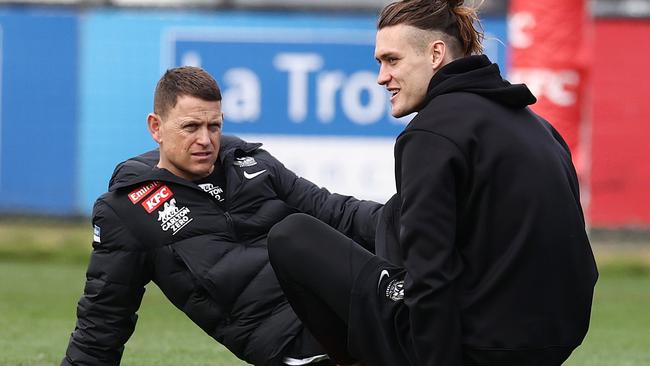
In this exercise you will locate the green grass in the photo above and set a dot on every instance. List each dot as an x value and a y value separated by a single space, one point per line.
37 307
42 268
619 334
45 240
37 303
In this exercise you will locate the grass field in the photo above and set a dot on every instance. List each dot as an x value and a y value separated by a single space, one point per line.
42 269
38 301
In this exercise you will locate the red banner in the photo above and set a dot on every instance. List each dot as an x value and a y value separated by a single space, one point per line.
620 172
548 53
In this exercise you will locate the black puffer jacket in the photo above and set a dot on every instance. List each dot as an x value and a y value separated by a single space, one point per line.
211 263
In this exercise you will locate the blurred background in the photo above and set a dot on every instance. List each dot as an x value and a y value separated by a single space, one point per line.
77 80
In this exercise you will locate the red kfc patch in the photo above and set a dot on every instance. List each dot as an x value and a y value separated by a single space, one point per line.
157 198
141 192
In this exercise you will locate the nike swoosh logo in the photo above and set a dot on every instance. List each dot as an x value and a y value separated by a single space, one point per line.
384 273
248 175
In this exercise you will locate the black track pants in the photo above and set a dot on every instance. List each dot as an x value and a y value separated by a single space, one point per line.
316 266
335 287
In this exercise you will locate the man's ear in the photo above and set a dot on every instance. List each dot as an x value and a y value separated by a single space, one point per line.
438 51
154 123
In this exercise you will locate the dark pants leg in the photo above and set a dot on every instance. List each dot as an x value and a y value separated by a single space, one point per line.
316 266
551 356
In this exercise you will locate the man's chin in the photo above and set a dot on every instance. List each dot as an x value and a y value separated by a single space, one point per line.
204 173
398 114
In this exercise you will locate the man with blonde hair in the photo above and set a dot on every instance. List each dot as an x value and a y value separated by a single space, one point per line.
482 255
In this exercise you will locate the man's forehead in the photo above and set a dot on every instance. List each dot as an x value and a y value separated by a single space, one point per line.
203 113
401 38
395 35
385 43
196 113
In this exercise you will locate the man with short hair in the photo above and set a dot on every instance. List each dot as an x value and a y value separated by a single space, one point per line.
193 218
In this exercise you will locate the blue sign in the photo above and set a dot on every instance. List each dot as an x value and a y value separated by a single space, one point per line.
292 81
38 111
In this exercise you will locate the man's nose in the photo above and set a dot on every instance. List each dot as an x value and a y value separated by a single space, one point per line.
203 137
383 77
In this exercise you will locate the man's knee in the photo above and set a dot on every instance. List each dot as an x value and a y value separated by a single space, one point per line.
289 235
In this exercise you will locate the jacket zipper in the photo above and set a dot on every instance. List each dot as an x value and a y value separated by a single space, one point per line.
231 224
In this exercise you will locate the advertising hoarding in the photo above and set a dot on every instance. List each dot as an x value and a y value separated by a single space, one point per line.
38 111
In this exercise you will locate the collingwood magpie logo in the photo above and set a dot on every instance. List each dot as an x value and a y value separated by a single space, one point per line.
245 161
172 217
212 190
395 290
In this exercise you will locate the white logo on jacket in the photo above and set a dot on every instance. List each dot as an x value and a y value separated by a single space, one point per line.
250 176
214 191
97 234
245 161
395 290
172 217
156 199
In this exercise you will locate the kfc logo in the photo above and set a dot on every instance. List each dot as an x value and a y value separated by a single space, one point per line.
141 192
157 198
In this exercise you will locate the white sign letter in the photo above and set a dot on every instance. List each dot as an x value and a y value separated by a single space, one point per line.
351 98
327 85
519 26
242 96
298 66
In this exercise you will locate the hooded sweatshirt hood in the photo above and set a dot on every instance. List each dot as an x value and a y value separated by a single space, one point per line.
477 75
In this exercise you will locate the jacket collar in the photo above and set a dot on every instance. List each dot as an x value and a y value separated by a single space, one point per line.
142 168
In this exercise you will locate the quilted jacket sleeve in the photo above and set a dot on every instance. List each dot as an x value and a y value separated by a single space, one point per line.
115 279
353 217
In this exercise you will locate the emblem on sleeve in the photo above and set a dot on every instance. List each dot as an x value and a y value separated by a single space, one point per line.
173 218
97 234
395 290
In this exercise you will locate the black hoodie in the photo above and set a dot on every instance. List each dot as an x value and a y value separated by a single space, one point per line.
488 224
